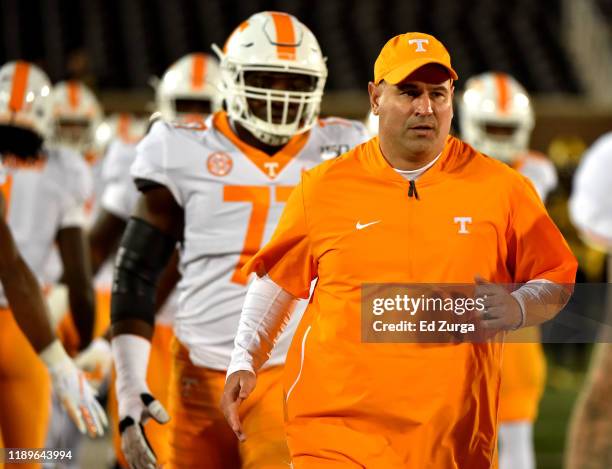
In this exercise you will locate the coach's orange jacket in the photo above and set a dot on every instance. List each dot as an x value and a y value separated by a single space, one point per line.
401 405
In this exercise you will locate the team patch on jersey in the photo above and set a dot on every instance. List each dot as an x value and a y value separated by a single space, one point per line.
219 163
332 151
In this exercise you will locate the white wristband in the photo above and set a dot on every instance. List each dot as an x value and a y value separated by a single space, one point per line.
539 299
521 301
131 358
54 354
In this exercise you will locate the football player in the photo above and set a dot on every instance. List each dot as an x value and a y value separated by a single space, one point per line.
30 315
44 192
218 190
188 92
590 208
496 118
77 115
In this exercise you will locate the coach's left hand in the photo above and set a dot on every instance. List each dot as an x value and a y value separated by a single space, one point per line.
238 387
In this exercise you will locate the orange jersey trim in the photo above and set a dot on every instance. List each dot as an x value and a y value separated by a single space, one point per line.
198 71
33 164
270 165
6 189
285 36
19 85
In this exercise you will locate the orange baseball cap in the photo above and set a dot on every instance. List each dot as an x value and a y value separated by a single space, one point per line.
407 52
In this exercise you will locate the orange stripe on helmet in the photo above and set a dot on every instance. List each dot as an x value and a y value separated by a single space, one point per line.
285 36
198 71
74 94
503 92
241 27
19 85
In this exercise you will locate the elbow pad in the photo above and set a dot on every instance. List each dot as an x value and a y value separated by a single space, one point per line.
143 254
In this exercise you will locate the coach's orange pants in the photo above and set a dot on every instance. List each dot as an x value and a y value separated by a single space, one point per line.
25 391
199 435
523 376
158 379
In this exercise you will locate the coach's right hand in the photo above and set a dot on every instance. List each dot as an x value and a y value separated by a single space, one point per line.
238 387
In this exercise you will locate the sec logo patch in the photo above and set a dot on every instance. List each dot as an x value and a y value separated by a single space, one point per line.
219 163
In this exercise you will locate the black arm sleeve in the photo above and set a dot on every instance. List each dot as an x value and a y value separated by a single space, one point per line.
143 253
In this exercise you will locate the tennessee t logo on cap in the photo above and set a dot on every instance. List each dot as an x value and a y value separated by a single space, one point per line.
419 43
407 52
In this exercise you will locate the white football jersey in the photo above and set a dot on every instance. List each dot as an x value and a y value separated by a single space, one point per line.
233 196
540 171
120 194
104 278
53 269
42 198
590 204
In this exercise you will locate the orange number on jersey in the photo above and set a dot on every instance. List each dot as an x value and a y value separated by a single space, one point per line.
259 197
6 192
283 193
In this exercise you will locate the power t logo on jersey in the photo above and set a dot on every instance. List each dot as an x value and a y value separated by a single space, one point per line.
219 164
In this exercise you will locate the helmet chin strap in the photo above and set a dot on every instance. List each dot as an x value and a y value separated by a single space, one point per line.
264 137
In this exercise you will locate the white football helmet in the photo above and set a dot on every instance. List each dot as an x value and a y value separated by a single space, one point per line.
496 116
25 98
194 77
126 127
272 42
76 114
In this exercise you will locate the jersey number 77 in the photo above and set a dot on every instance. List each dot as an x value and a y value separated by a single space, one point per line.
259 197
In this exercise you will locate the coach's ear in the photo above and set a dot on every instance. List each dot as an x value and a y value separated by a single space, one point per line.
375 91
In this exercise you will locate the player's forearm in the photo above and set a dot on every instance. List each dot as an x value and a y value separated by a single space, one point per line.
74 251
104 238
266 311
23 293
142 256
540 301
83 309
28 305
